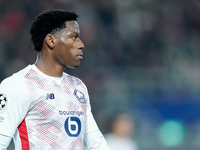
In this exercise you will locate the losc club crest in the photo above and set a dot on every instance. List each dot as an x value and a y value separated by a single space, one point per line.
3 101
80 96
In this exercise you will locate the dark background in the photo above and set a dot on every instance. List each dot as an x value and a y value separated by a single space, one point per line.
141 57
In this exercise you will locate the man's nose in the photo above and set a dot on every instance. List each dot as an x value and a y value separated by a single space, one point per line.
81 45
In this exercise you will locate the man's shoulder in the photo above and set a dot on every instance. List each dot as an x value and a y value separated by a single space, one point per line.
73 80
17 77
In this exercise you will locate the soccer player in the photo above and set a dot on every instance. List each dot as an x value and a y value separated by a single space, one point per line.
41 106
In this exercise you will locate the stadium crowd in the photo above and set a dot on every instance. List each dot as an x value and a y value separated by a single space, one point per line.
140 57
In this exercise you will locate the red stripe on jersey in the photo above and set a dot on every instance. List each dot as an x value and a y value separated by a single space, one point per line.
23 135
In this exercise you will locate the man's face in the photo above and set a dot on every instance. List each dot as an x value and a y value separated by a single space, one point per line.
68 50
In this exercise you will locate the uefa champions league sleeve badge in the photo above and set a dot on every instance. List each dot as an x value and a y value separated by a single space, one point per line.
3 101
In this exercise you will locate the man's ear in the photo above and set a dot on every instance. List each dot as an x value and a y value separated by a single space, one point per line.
50 40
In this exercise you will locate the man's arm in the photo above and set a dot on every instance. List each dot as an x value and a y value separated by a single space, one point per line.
95 141
93 138
4 142
13 111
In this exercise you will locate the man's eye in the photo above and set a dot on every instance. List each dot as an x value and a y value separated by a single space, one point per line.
74 37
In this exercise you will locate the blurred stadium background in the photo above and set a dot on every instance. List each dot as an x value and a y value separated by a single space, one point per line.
141 57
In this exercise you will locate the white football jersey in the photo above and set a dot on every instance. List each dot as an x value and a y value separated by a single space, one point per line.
44 112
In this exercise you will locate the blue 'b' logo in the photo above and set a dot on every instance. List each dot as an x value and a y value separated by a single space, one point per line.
73 126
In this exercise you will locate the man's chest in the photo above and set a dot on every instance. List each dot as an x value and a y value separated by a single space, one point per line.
58 110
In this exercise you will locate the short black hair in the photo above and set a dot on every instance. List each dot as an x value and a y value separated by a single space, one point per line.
48 22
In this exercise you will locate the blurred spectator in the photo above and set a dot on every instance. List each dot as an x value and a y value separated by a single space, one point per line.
120 136
136 50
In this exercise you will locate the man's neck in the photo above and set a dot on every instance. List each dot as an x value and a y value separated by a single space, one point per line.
48 67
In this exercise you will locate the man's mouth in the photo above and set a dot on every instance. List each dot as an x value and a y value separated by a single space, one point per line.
80 56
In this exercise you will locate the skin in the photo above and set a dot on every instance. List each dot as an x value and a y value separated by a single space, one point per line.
123 126
60 50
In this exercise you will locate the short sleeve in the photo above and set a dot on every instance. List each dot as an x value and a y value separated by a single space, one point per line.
90 125
14 105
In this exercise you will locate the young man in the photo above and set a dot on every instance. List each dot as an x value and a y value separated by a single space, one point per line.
42 107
